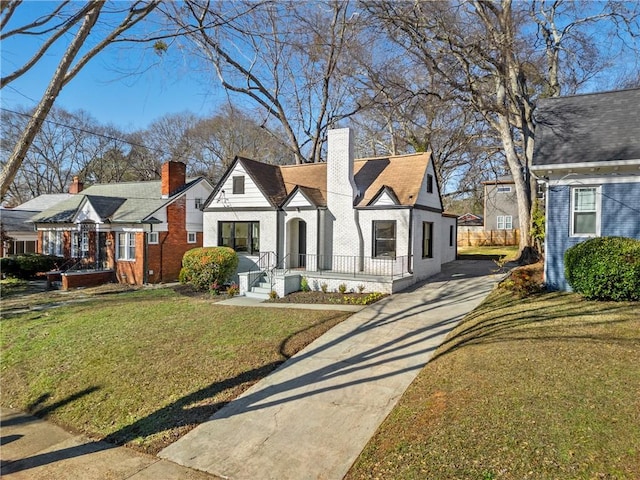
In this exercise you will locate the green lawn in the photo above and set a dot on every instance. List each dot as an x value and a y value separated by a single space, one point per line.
510 252
142 368
546 387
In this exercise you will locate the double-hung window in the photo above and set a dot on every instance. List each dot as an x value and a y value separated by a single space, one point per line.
53 243
505 222
584 211
384 238
427 240
126 246
241 236
80 244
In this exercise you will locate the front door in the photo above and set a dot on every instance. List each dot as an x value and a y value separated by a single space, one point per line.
302 243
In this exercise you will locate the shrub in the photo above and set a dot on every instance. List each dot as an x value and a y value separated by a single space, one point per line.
342 288
29 265
273 295
304 284
605 268
324 287
207 266
233 290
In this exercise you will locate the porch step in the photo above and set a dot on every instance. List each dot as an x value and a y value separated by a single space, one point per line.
261 296
261 289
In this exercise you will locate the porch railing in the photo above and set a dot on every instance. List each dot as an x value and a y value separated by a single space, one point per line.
352 265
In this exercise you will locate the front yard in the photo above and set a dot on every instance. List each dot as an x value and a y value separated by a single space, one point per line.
544 387
142 368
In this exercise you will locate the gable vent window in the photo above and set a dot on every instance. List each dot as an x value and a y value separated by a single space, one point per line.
238 185
198 203
504 189
429 183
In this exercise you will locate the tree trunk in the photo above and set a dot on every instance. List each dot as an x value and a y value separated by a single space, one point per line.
53 90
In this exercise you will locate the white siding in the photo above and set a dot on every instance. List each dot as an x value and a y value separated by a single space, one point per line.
298 200
252 196
429 199
194 216
384 200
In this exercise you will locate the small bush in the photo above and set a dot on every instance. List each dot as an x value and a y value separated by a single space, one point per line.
342 288
304 285
29 265
324 287
233 290
605 268
207 266
273 295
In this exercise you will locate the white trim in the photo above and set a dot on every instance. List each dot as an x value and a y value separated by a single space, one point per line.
598 212
195 237
590 180
569 166
157 238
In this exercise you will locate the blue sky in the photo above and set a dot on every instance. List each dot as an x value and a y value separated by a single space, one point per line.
106 87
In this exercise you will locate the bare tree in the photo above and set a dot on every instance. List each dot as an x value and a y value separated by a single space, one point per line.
499 57
78 20
287 58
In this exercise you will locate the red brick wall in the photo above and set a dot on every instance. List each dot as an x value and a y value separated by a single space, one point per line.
85 279
132 271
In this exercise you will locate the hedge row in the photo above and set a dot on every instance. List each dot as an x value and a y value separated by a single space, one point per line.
29 265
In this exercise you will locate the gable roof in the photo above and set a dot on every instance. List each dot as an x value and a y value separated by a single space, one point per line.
42 202
596 127
16 220
129 202
403 174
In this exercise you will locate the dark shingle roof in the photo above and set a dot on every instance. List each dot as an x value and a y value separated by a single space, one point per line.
16 220
597 127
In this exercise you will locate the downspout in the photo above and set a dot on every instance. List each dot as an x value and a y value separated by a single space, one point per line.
145 260
356 219
410 246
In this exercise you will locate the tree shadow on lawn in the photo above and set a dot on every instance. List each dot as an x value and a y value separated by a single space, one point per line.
536 323
175 419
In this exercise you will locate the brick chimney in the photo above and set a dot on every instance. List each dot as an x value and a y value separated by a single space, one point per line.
174 176
76 186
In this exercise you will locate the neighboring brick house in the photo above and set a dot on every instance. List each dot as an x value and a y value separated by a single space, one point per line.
18 233
372 222
587 153
135 232
500 204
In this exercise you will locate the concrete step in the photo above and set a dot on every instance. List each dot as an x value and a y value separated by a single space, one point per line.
265 290
261 296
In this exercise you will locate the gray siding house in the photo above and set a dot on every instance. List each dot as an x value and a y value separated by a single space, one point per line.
587 152
500 204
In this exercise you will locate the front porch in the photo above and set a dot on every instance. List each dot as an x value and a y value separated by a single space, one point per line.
323 272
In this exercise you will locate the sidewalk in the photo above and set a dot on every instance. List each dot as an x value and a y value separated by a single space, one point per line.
34 449
312 417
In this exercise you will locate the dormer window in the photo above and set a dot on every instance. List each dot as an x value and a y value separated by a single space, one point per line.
238 185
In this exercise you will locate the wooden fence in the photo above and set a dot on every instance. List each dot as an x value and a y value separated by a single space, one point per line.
488 238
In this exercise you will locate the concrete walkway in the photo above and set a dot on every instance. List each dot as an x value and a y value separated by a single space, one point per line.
312 417
33 449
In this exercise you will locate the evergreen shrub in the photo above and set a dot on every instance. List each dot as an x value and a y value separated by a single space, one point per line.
605 268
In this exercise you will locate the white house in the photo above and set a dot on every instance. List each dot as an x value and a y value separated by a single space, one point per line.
376 222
